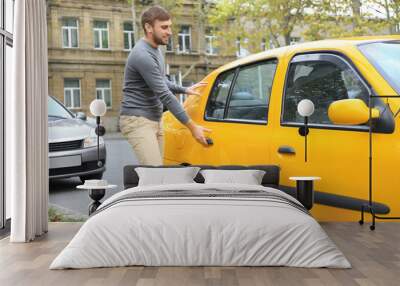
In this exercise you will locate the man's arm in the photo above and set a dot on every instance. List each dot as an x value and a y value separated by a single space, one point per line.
174 87
149 70
151 73
198 132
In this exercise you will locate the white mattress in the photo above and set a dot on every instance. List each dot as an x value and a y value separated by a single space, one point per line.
200 231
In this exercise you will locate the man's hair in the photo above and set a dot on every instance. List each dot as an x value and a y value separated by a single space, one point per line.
150 15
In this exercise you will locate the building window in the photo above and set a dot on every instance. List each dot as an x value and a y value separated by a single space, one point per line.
72 93
238 46
184 39
263 44
294 40
103 91
210 45
70 33
100 29
129 36
240 50
210 41
172 78
170 46
271 44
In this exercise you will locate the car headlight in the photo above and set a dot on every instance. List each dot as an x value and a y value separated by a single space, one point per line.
92 142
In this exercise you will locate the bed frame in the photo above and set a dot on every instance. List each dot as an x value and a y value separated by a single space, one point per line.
270 179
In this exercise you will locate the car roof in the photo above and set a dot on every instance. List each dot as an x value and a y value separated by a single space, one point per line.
342 44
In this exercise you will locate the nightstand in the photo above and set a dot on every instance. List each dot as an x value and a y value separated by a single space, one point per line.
305 190
96 194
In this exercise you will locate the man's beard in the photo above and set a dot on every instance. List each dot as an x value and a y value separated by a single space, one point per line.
158 40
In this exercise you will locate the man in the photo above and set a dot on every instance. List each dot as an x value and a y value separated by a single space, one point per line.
146 90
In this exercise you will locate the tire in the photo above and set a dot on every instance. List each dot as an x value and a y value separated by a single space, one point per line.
97 176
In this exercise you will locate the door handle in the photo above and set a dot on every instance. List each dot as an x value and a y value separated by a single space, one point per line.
209 141
286 150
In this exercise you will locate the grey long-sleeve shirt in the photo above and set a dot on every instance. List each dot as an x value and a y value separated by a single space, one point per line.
146 88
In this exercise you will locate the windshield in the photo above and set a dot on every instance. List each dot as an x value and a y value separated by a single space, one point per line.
55 109
385 57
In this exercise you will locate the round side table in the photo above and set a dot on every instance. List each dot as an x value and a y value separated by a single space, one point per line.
305 190
96 194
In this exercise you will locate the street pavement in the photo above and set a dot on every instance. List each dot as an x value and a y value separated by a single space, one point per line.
74 202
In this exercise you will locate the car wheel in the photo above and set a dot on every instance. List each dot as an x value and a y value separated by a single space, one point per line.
97 176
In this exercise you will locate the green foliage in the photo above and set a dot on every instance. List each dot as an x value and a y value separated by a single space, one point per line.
340 18
257 20
390 11
277 20
56 215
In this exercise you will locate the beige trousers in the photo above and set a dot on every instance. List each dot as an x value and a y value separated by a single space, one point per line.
146 138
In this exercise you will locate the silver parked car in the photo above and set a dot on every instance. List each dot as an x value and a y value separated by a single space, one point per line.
72 144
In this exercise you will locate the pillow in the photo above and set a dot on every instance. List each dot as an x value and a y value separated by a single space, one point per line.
249 177
165 176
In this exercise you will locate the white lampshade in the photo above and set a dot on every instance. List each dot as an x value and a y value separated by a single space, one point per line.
98 107
305 107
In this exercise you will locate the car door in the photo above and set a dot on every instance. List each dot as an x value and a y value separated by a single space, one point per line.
336 153
237 112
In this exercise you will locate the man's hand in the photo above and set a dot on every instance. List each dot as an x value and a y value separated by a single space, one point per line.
193 90
198 132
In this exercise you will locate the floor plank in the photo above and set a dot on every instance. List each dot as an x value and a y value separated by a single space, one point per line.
374 255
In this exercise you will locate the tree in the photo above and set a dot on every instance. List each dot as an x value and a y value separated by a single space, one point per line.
390 10
271 20
341 18
276 21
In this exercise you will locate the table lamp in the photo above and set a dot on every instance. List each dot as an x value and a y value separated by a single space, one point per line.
305 108
98 108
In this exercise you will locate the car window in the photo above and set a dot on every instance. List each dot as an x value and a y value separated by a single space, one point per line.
55 109
323 81
251 92
219 95
385 56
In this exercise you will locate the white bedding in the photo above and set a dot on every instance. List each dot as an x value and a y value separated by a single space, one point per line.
192 231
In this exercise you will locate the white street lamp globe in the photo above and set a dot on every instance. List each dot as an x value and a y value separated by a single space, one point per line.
305 108
98 107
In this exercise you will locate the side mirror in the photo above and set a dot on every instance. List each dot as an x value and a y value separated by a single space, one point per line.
350 112
81 115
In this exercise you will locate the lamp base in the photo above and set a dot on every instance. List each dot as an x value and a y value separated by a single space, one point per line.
100 130
370 208
303 131
96 195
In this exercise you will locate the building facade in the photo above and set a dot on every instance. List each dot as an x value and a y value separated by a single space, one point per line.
89 42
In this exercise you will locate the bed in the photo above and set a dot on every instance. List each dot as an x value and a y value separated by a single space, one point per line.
201 224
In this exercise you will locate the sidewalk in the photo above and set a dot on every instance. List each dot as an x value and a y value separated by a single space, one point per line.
113 136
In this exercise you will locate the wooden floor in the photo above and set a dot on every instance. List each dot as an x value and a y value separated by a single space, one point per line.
375 257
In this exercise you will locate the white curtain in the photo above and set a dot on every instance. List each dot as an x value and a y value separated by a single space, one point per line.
26 124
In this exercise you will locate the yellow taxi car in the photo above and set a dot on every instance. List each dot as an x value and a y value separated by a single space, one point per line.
251 107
